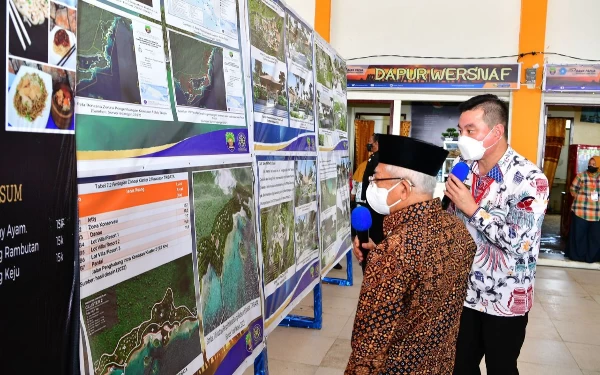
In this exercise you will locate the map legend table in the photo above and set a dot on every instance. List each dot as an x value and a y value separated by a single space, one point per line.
125 223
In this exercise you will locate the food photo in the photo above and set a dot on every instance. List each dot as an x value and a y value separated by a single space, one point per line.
40 98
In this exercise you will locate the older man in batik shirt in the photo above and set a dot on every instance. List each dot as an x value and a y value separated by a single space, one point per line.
411 298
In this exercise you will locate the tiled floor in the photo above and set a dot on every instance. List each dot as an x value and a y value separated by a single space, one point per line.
563 335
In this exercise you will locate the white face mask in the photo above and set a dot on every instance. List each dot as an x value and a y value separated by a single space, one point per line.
472 149
377 198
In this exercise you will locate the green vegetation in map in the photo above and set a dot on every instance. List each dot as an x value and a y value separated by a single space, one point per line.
340 115
197 73
328 233
106 69
306 182
225 242
266 29
343 195
307 237
325 72
155 328
328 193
277 239
340 73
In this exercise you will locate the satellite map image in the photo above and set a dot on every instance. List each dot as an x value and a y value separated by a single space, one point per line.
197 73
147 324
277 231
225 242
106 64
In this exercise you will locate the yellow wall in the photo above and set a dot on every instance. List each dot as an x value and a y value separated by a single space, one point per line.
323 18
527 102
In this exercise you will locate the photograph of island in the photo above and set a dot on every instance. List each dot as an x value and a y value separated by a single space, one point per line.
147 324
198 77
106 63
225 243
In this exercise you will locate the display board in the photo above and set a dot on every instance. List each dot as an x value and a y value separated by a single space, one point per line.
154 85
334 161
169 271
38 189
282 78
288 231
572 78
156 234
169 257
436 77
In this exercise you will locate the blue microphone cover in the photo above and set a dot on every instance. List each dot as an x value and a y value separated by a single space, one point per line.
461 171
361 219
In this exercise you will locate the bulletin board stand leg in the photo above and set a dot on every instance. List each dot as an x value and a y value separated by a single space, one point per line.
261 366
349 281
305 321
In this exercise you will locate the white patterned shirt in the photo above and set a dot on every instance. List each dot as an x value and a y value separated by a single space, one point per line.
507 228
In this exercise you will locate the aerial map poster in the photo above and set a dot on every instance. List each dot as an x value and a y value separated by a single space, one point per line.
227 261
287 199
38 190
152 91
150 303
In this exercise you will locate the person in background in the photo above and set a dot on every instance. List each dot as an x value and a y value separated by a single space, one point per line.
376 231
357 179
411 297
502 202
584 235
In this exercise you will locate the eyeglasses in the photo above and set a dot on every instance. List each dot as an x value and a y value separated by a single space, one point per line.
372 179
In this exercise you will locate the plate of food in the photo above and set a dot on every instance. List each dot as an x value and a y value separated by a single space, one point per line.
29 99
62 43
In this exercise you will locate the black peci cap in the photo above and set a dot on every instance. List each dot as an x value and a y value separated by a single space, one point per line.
411 153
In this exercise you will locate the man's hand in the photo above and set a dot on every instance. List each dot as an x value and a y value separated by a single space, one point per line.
460 195
356 248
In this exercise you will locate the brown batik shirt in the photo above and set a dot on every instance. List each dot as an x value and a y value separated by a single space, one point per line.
412 294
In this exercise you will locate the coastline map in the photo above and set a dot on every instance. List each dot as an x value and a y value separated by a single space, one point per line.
198 74
106 63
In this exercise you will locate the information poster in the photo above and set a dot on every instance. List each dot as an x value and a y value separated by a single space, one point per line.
152 89
326 89
334 165
282 78
334 185
149 302
288 214
38 189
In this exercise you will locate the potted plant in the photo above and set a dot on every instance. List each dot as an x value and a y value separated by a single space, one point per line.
450 134
260 95
281 103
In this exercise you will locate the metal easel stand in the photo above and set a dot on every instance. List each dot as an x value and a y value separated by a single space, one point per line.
349 281
261 366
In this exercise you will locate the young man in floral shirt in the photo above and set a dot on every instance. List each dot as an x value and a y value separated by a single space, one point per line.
503 202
